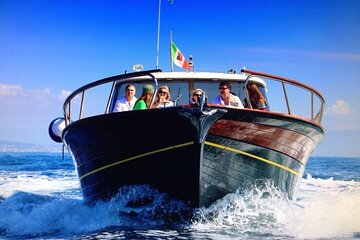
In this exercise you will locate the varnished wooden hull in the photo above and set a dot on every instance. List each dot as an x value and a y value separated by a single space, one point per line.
244 147
191 157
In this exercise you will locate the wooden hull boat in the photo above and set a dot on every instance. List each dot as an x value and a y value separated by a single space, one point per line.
197 153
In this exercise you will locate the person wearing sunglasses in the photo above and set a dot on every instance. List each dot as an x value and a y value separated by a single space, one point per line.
127 102
196 96
226 97
163 98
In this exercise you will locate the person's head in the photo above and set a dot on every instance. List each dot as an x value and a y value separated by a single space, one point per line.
164 92
130 91
148 92
253 90
256 98
224 89
148 88
197 93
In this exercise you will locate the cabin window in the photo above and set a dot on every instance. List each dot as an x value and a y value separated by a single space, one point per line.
212 91
178 91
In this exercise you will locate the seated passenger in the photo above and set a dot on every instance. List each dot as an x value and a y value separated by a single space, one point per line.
197 94
226 98
163 98
127 102
145 99
257 100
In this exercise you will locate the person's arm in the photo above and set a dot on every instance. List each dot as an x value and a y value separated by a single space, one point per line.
117 107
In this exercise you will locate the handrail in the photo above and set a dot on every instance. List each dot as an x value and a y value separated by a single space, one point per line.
114 79
315 115
286 97
283 80
156 89
110 97
246 92
82 104
287 80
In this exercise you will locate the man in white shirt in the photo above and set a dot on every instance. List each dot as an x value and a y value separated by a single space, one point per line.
127 102
226 98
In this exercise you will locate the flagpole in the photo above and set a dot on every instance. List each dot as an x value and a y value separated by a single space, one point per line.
158 35
171 60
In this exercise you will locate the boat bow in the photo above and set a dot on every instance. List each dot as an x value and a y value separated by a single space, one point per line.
201 119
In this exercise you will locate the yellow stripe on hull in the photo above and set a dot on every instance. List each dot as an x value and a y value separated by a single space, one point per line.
252 156
184 145
136 157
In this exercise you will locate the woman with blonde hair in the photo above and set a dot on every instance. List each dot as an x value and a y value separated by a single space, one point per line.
144 101
163 98
257 100
197 94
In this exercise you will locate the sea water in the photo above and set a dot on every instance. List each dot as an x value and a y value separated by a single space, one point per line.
40 198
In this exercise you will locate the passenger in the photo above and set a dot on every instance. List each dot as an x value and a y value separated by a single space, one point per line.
226 98
197 94
127 102
145 99
163 98
257 100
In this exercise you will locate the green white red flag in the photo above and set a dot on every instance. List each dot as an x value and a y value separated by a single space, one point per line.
178 58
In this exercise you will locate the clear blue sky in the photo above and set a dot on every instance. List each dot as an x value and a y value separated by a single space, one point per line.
50 47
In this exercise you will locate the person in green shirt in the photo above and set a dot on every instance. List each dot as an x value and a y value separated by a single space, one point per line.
144 101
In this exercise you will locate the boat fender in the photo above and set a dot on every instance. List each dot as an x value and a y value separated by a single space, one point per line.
55 129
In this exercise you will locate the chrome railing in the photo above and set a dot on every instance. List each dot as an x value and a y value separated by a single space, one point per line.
316 113
315 116
82 90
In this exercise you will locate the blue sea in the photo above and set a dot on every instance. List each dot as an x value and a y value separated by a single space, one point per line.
40 198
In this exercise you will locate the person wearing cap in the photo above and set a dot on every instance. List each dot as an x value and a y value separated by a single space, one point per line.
145 99
226 98
127 102
163 98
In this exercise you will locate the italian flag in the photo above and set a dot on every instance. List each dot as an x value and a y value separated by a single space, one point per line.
178 58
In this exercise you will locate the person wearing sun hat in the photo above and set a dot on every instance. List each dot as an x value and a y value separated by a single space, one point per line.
145 99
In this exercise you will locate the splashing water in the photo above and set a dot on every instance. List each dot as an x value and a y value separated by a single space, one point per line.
30 215
36 202
259 209
264 211
329 209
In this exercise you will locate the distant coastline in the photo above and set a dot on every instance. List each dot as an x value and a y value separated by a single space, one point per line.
7 146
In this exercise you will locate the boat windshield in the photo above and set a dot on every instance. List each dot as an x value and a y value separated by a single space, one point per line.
181 90
280 93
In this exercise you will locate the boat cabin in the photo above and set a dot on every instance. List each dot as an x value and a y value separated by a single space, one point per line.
283 96
182 85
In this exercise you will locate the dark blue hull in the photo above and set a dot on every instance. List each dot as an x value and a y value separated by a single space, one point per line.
192 156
